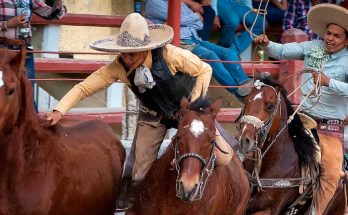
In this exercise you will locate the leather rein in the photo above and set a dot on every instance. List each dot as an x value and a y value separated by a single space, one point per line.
208 164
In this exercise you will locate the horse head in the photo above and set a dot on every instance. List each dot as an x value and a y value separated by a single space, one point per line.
261 117
194 145
11 79
276 145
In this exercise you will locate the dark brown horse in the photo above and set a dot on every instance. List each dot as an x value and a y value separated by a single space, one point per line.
275 149
63 170
179 182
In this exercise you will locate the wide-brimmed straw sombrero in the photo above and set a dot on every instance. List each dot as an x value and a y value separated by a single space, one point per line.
135 35
321 15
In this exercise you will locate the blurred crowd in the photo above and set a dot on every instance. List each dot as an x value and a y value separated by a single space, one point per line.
238 22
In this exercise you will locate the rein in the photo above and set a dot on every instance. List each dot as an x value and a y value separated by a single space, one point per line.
263 127
207 170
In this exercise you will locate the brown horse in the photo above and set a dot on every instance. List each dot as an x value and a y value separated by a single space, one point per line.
62 170
275 149
184 181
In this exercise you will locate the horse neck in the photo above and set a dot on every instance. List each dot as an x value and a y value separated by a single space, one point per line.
24 133
17 153
164 166
281 154
284 145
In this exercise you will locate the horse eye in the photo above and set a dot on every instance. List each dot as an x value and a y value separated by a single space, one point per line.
269 107
10 91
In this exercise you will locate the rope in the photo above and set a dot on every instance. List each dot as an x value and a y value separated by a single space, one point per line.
258 12
315 92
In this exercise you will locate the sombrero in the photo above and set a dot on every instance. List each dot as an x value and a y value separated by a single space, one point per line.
135 35
321 15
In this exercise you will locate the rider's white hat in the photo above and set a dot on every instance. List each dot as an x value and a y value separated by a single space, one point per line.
136 35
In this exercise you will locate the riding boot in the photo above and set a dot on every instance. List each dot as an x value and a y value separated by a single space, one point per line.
330 172
223 150
123 197
132 194
122 202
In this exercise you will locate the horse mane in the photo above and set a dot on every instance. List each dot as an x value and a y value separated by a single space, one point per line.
26 110
304 144
200 104
27 98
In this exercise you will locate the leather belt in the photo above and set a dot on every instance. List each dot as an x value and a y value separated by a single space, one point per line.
326 121
147 110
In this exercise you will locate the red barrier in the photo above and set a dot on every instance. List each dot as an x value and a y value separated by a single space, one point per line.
225 115
283 69
81 20
50 65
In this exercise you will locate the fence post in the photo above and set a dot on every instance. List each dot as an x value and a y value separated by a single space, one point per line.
174 11
288 69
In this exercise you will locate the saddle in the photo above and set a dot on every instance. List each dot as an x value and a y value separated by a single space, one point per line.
307 121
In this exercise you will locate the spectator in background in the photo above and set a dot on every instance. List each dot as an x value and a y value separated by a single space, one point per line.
225 74
207 13
15 18
231 14
275 10
296 15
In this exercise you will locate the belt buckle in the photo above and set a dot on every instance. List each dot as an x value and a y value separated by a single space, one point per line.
147 110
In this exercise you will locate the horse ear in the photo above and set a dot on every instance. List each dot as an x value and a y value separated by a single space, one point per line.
215 106
184 104
18 61
277 88
257 74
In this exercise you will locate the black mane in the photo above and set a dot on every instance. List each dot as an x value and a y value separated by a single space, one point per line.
200 104
304 144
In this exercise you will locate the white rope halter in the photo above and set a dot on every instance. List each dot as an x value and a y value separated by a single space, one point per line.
256 122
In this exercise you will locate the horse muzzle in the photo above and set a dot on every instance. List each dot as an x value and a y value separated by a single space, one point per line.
246 145
186 192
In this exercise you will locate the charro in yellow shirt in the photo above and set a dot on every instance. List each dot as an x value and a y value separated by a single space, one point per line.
177 59
176 73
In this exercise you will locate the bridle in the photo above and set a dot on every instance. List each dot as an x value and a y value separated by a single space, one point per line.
207 170
263 129
208 164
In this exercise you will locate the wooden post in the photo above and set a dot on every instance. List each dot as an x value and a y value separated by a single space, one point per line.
174 11
288 69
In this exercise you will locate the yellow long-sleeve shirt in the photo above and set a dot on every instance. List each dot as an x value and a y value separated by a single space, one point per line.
176 58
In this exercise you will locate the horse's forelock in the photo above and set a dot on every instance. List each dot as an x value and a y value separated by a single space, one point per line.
200 104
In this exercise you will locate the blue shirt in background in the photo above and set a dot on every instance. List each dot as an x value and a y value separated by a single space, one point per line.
157 12
333 101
